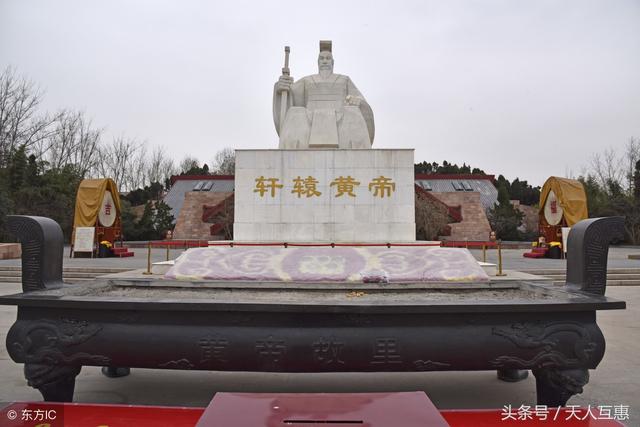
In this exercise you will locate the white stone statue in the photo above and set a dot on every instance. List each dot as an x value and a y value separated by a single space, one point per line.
324 110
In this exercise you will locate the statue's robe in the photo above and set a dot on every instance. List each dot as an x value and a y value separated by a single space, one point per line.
318 115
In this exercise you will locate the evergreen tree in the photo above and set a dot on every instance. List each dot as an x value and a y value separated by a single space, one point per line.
632 209
504 217
596 197
163 220
503 191
128 218
32 172
446 168
145 225
156 219
17 169
6 207
141 195
197 170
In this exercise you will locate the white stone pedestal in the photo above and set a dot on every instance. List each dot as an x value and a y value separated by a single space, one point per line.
331 195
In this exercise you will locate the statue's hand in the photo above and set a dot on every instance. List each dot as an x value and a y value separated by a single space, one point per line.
284 84
353 100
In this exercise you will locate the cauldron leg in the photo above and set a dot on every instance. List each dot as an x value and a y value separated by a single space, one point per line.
555 386
512 375
115 372
55 383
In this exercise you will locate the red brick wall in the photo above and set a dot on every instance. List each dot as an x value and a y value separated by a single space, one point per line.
189 224
474 224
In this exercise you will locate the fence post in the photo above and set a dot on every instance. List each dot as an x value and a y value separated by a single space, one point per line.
500 273
148 259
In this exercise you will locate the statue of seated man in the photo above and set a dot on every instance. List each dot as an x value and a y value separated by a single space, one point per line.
324 110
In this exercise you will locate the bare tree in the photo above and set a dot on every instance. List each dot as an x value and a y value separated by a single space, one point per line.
127 161
20 123
224 162
607 168
119 160
69 138
188 163
631 156
138 166
611 168
160 167
73 142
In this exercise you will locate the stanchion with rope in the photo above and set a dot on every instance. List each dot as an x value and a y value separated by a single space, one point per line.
484 253
500 273
167 251
148 260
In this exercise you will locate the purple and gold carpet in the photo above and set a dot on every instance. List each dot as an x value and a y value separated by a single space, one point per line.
326 264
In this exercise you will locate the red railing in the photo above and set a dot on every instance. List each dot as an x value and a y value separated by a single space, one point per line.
177 244
468 244
186 243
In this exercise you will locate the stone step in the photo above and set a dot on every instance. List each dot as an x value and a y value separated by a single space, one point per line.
95 270
4 279
610 276
73 275
13 274
628 282
552 271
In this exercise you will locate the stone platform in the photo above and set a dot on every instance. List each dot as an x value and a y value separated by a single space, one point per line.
404 264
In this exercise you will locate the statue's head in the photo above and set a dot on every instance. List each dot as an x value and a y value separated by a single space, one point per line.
325 58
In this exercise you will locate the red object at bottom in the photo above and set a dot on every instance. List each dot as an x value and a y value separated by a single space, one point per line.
409 409
297 407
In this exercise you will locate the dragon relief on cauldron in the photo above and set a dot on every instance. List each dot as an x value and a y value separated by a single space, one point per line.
544 338
44 342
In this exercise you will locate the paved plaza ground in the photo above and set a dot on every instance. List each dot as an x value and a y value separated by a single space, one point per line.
615 382
513 259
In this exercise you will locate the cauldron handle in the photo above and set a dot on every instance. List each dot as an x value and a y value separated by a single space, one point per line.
587 251
42 246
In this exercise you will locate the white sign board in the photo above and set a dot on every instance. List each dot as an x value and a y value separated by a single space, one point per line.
83 241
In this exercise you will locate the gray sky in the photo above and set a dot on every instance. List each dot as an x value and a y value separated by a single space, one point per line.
523 88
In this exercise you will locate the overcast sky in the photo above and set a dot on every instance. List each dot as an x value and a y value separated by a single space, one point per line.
528 89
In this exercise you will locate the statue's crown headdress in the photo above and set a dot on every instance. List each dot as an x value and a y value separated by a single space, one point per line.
325 45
